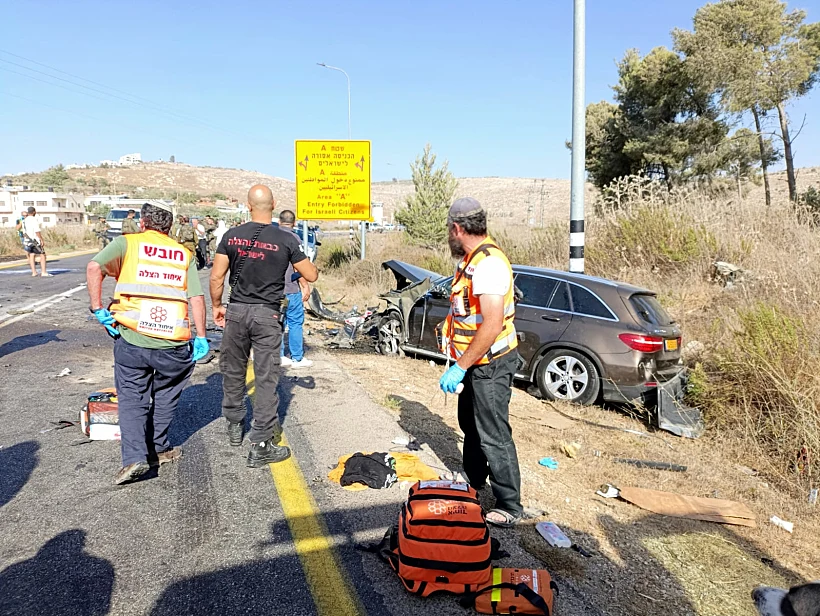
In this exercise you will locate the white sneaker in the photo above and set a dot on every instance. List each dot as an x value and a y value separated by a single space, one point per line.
286 361
302 363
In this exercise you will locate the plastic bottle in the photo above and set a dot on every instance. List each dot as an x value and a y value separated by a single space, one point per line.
553 535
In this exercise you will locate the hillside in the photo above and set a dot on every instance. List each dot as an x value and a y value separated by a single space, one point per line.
513 200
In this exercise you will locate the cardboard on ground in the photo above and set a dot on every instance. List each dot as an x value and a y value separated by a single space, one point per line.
333 180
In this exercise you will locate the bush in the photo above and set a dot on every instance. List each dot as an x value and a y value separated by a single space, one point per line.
547 247
334 254
438 262
765 380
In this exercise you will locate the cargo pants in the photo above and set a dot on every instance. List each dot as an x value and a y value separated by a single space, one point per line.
484 417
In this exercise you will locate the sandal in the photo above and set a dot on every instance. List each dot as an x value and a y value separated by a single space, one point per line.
509 519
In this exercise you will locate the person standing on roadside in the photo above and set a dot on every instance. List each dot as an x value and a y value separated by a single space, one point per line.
149 317
220 230
18 226
33 242
129 225
210 227
257 254
101 230
480 336
201 243
187 235
297 292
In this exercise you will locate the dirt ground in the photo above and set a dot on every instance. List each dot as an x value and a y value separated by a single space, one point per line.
642 563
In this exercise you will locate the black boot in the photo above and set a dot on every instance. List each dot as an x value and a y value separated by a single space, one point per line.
235 432
264 453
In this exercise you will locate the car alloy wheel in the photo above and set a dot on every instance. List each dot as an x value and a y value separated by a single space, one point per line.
568 375
390 335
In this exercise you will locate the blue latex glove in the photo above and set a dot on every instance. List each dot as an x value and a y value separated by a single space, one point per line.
107 319
201 348
450 379
550 463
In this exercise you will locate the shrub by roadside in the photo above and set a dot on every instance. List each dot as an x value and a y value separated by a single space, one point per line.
63 238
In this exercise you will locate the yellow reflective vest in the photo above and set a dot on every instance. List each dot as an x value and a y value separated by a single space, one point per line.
151 296
465 317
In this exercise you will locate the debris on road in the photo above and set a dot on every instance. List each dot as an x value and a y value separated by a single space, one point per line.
19 312
550 463
608 491
658 466
553 535
787 526
691 507
727 274
59 425
63 372
570 449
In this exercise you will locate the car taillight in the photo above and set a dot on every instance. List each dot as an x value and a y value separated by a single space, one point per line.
644 344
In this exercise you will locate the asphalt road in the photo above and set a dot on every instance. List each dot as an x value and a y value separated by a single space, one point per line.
205 535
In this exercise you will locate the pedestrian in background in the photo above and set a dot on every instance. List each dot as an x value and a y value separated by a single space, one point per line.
220 230
33 242
479 335
129 225
18 226
101 229
149 317
201 243
257 254
187 235
210 227
297 291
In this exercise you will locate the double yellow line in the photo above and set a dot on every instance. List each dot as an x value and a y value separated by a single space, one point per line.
332 592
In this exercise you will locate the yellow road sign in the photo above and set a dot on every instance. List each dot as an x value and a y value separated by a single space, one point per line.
333 180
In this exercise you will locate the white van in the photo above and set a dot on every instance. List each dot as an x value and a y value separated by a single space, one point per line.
115 218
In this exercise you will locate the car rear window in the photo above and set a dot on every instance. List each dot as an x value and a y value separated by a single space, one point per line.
536 290
649 309
584 302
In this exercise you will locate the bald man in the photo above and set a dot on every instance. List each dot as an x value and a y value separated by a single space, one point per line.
255 257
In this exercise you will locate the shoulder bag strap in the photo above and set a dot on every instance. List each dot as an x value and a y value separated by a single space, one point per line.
242 259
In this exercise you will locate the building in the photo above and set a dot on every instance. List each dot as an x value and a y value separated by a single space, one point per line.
130 159
119 201
53 208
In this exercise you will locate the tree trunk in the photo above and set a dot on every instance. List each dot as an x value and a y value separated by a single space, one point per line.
787 152
763 162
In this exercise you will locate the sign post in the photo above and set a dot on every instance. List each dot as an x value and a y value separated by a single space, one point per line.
333 181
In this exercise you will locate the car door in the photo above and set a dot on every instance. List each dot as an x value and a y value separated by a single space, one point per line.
436 309
542 315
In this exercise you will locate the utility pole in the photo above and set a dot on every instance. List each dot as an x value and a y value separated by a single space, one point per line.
576 213
363 224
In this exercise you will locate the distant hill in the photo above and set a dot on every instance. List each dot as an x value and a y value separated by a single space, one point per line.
514 200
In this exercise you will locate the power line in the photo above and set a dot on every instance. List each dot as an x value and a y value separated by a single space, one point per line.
191 120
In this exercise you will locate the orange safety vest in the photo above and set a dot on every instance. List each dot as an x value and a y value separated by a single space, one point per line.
151 296
465 317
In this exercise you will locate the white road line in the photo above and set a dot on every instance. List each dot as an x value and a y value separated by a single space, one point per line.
8 319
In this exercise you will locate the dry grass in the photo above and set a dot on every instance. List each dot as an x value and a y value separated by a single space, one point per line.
63 238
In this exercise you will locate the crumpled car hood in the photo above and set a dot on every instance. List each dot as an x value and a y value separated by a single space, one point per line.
407 274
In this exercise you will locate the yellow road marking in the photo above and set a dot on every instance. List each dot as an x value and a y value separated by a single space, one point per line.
332 592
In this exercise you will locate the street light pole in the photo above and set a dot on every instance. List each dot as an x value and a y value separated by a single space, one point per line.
336 68
576 215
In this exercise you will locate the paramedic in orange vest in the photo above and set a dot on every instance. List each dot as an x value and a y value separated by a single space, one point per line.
150 320
480 336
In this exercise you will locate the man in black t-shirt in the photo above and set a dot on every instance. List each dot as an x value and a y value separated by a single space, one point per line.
259 253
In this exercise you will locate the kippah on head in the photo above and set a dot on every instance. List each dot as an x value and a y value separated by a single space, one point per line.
462 208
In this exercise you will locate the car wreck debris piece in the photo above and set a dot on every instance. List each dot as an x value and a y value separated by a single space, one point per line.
570 449
691 507
658 466
787 526
675 417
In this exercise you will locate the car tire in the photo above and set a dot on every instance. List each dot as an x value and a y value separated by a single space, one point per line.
563 374
390 335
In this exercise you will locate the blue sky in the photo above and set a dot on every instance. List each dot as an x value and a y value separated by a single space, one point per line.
487 83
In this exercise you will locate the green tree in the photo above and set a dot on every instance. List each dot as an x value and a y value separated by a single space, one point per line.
173 159
665 125
54 177
760 56
424 214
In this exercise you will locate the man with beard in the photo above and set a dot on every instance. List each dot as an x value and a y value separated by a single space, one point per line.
479 335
